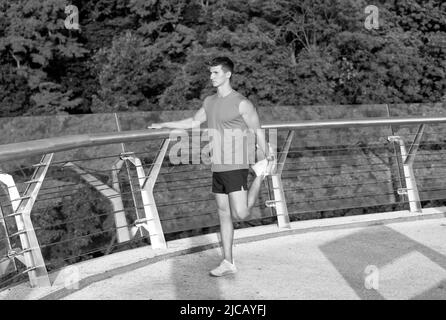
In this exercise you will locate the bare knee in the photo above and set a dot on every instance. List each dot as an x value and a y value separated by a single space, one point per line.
240 213
223 208
224 212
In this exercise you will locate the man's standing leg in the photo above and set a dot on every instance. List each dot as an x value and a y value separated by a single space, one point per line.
227 266
226 226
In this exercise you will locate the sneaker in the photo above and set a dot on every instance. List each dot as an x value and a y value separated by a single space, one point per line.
265 167
223 269
260 167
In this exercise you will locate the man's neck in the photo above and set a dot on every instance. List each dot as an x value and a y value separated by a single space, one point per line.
224 90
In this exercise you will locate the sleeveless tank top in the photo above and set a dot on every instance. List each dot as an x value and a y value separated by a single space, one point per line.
232 143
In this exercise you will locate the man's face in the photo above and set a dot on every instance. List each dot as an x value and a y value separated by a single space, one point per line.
219 76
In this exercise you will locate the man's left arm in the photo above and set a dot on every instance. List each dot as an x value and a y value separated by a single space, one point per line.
251 118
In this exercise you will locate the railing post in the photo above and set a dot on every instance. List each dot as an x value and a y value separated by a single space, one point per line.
30 255
151 222
122 231
411 185
5 261
279 201
120 217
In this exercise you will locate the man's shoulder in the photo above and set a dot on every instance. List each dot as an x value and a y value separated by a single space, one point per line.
242 100
245 106
239 95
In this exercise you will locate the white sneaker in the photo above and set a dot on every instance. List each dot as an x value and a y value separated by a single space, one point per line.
260 167
265 167
223 269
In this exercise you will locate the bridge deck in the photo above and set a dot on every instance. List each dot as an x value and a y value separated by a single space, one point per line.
405 255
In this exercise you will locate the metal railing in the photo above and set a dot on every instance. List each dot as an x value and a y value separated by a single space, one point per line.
63 210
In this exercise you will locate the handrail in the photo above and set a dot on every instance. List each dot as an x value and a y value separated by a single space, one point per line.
18 150
364 122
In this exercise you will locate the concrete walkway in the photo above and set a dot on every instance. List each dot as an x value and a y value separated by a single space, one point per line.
397 259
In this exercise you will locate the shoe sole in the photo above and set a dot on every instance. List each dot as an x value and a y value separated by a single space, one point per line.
223 274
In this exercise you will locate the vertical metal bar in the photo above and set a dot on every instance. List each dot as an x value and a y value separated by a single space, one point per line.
4 264
415 145
115 174
132 191
279 202
116 168
411 185
22 206
269 187
156 167
395 151
152 221
270 196
283 219
284 153
39 275
408 159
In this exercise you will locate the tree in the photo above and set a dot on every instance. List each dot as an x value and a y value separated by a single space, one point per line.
286 52
14 92
50 99
33 38
73 228
131 75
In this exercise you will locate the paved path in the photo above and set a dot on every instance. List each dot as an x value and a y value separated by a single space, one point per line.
404 260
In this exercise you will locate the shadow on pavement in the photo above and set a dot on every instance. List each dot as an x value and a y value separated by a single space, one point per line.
378 247
190 274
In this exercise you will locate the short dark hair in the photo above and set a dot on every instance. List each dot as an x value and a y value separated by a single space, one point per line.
225 62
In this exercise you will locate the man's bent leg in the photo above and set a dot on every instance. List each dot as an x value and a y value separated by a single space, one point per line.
241 202
253 192
238 204
226 226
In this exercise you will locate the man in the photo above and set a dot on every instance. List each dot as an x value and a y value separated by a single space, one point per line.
226 111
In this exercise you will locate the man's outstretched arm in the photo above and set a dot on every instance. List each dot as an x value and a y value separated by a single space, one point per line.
188 123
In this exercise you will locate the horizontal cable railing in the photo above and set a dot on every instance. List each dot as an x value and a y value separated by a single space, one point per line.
66 209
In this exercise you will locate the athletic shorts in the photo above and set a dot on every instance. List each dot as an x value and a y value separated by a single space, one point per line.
230 181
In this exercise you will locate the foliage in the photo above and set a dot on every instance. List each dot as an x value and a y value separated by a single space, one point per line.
14 92
150 55
33 38
74 225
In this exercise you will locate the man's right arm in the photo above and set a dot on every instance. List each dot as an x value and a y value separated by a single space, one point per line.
192 122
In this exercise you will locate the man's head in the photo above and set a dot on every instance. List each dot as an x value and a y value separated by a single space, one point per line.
221 69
